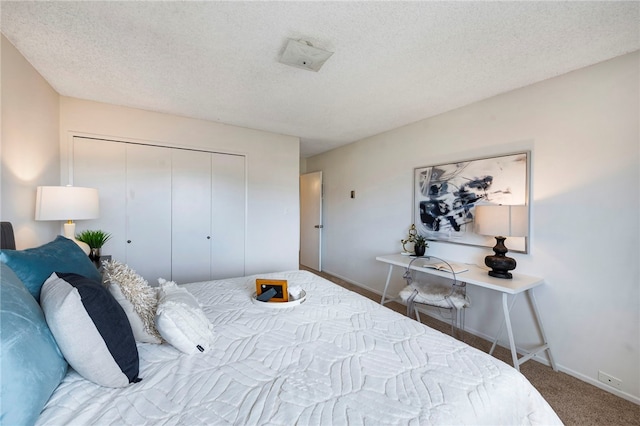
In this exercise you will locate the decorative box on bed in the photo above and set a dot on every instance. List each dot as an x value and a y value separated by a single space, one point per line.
337 359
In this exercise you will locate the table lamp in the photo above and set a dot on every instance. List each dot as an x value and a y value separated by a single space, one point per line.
67 203
501 222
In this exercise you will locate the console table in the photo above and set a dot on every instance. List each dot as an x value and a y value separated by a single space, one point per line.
479 277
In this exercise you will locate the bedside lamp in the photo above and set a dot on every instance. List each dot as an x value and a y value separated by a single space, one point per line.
501 222
67 203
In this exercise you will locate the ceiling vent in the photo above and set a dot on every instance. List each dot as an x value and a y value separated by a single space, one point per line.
301 54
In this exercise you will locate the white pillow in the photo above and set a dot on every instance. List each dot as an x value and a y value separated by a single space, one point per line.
180 319
91 329
137 298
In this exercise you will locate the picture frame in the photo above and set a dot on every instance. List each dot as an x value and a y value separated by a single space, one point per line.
445 195
280 286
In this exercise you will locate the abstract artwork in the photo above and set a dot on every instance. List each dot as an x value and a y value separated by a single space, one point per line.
445 196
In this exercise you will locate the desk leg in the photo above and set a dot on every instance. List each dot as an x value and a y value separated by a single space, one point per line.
545 342
507 321
386 286
495 342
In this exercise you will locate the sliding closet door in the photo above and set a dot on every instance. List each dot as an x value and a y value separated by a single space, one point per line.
228 215
148 212
191 216
208 216
102 165
173 213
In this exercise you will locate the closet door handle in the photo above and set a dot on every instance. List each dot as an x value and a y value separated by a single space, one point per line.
128 241
208 237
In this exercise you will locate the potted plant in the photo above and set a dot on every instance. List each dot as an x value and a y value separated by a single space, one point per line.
420 245
95 239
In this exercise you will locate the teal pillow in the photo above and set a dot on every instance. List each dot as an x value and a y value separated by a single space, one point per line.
31 364
33 266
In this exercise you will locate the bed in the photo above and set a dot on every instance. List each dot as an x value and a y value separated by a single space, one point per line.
337 358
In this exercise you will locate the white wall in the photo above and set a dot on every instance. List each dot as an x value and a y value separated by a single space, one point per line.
583 133
29 146
37 125
272 232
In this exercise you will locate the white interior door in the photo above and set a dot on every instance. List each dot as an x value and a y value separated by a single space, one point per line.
149 211
101 165
191 216
228 215
311 220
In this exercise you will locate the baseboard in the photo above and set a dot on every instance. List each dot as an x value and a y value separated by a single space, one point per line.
599 384
350 281
543 360
538 358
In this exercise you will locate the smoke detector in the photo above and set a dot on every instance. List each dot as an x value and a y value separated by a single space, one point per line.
301 54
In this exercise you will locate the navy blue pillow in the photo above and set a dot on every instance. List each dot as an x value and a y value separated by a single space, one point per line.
33 266
91 328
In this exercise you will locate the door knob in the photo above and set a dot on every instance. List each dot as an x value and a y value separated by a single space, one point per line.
128 241
318 226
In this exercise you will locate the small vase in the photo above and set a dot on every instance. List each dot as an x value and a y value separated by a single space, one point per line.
419 250
94 254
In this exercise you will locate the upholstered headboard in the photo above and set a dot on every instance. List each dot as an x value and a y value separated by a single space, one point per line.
7 241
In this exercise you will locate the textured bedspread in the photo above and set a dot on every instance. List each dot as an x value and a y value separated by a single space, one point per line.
336 359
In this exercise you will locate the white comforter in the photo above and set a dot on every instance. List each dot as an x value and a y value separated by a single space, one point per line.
336 359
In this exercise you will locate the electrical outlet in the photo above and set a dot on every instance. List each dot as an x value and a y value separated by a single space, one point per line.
609 380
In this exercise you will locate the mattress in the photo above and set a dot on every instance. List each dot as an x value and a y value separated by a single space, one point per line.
337 358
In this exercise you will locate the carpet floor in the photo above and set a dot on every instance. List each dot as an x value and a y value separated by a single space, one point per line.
576 402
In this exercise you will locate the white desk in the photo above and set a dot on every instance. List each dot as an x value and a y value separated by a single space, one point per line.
479 277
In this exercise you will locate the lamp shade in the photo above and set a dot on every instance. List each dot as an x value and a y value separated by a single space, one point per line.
505 221
66 203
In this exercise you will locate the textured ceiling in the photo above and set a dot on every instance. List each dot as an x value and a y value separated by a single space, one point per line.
394 63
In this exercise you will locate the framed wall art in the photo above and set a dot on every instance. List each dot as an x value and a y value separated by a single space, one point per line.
445 195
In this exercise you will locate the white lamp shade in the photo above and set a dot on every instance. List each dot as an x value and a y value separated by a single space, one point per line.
66 203
504 221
